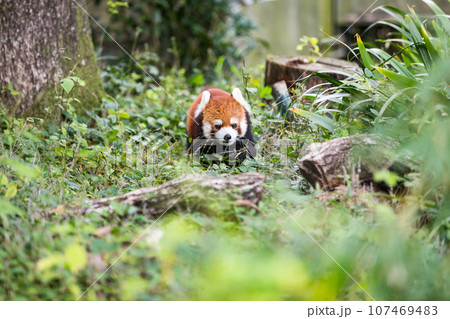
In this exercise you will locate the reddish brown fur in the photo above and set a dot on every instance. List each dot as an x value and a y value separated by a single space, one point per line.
220 106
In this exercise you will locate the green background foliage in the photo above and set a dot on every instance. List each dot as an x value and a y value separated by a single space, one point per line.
395 245
186 34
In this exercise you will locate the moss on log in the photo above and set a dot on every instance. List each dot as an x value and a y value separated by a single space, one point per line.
207 194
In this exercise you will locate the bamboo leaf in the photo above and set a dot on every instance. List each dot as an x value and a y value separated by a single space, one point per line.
367 60
397 14
399 79
389 102
443 39
418 41
341 85
406 59
428 44
443 18
393 26
320 120
398 66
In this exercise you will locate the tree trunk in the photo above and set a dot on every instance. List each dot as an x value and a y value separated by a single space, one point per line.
41 42
215 195
350 159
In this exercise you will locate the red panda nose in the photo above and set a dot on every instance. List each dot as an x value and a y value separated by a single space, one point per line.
227 137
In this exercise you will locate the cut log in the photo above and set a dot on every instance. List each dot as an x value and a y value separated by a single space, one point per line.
354 158
196 192
293 70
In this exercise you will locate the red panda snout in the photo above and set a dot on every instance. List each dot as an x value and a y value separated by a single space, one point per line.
218 131
227 134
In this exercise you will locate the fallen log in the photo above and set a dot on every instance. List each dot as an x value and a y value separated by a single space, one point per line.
355 159
194 192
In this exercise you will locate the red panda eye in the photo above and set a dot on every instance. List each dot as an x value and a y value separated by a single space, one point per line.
234 125
217 126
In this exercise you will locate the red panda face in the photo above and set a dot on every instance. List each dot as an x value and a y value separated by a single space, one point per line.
224 119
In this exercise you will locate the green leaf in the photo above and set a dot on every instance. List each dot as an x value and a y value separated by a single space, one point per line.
131 287
4 180
219 66
398 66
341 85
367 60
443 18
11 191
21 169
75 258
394 12
320 120
48 262
197 79
419 43
389 178
399 79
67 85
86 154
390 101
428 44
265 92
77 80
163 121
8 209
123 115
406 59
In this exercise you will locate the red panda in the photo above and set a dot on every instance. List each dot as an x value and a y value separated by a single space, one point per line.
221 116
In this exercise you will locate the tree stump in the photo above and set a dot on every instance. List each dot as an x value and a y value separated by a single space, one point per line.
328 164
196 192
292 70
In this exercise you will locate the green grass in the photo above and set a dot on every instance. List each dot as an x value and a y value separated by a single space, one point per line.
395 248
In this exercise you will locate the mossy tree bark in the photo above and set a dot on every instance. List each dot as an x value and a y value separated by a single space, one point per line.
41 42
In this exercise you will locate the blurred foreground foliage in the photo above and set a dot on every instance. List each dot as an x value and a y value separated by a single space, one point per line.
395 247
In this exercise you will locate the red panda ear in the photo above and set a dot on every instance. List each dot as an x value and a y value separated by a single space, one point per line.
238 97
201 106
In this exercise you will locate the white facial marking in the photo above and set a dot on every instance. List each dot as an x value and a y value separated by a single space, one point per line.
238 97
201 106
244 126
217 122
206 130
220 134
234 120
